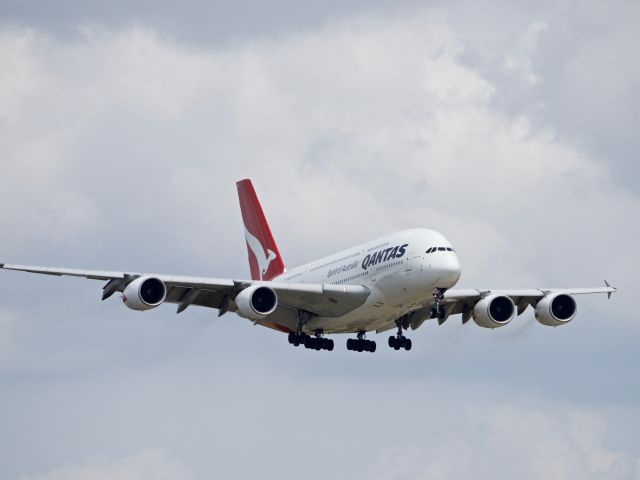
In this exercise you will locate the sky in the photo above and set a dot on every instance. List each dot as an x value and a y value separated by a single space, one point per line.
512 129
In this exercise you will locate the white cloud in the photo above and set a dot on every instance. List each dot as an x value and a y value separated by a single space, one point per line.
143 465
120 150
520 62
506 442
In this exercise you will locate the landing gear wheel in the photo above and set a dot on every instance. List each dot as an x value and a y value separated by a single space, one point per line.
361 344
400 341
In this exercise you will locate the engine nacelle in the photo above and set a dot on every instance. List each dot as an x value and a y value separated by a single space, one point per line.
256 302
556 309
494 311
144 293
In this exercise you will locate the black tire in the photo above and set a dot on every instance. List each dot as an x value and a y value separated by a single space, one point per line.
292 337
408 344
296 342
330 345
372 347
359 346
392 342
350 344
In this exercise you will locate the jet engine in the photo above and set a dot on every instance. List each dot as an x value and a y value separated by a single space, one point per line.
556 309
494 311
144 293
256 302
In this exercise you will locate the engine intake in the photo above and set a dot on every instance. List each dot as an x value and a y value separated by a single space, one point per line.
556 309
256 302
144 293
494 311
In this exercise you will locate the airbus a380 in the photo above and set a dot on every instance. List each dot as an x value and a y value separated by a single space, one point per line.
395 282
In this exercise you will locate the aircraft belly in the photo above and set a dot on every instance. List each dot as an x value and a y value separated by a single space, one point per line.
377 311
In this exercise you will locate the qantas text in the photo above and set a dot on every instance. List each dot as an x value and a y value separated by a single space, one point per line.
384 255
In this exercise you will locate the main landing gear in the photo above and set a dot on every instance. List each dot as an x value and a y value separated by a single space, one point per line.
400 341
361 344
314 343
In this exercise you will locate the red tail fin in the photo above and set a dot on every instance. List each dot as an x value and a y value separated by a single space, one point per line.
265 261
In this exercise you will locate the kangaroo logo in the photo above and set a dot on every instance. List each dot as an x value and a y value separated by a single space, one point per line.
258 250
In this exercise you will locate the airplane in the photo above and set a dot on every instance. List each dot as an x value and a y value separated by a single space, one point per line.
395 282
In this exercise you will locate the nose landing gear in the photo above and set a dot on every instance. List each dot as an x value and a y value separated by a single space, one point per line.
437 311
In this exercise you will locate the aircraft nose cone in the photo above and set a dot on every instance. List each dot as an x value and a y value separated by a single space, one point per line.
448 269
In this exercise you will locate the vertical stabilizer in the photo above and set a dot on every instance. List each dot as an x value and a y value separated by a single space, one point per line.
265 261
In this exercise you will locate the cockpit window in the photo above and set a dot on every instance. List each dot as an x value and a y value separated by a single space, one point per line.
440 249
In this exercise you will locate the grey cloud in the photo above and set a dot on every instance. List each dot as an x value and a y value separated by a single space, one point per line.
120 150
143 465
190 21
584 60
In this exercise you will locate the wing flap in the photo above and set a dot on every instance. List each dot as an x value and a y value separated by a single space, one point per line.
319 299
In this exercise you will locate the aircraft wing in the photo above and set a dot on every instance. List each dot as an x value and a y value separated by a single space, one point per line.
316 299
462 301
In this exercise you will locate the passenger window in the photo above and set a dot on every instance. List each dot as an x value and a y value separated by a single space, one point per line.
449 249
441 249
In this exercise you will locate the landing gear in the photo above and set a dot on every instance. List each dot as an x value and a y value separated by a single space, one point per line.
437 311
313 343
361 344
400 341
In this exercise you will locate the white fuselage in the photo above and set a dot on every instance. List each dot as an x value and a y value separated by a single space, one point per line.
397 269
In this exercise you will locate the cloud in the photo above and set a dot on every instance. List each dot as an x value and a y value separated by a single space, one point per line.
7 320
143 465
505 441
520 62
121 147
